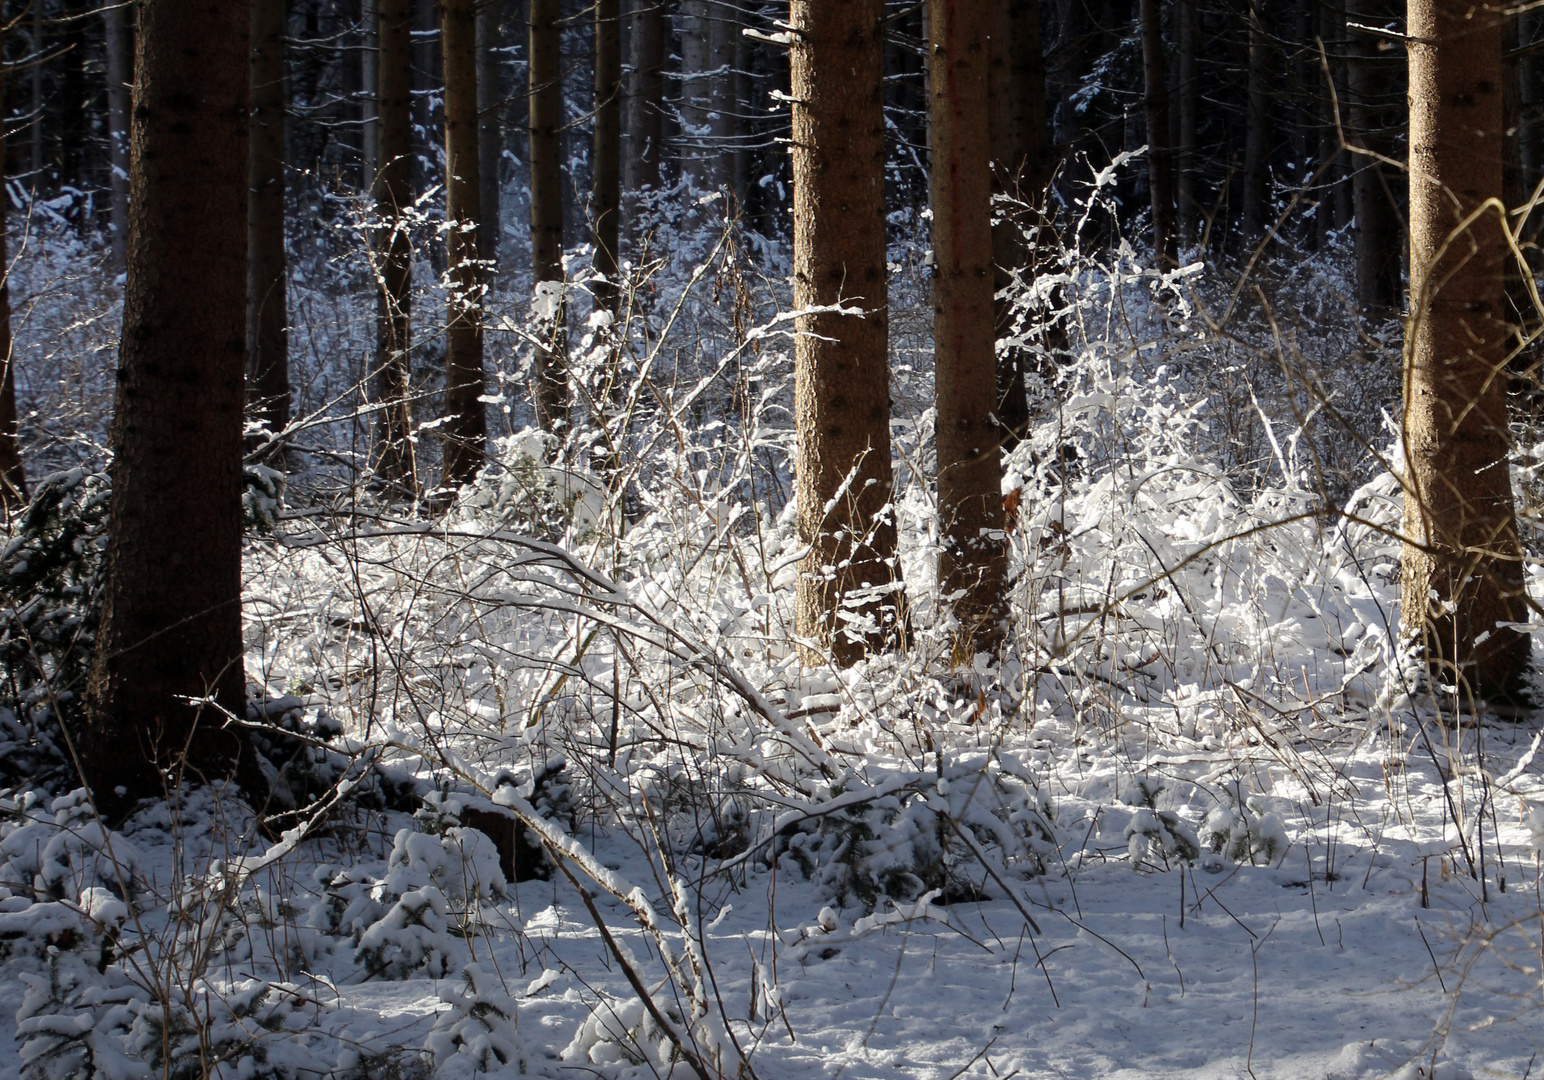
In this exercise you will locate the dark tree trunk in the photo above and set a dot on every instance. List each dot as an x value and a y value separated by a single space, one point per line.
394 458
1160 165
466 428
1020 138
13 478
1187 27
1375 117
120 73
369 88
841 364
267 302
546 94
1257 131
606 195
973 560
490 134
697 162
1463 582
171 615
646 98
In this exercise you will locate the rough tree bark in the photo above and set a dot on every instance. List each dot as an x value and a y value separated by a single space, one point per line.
606 192
267 267
1160 159
490 131
696 32
645 101
171 615
972 566
1374 113
120 72
1187 90
394 457
1462 575
1020 138
847 601
1257 131
369 86
13 477
546 94
466 427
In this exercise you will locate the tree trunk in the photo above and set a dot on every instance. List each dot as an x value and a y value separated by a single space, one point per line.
39 47
972 564
369 88
1187 27
267 302
1160 166
546 94
490 133
171 614
1257 132
394 458
1020 135
606 195
1372 85
466 428
120 72
13 478
848 598
1463 571
724 104
645 104
696 87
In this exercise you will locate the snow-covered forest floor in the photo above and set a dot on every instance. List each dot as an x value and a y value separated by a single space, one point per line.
1203 819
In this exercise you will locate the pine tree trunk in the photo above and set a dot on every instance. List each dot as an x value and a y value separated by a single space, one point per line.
847 601
1372 83
1345 165
1020 137
490 135
13 478
171 616
394 457
267 267
606 194
696 93
466 428
645 100
120 72
369 88
973 560
546 94
1186 22
1257 132
1463 571
723 92
1160 164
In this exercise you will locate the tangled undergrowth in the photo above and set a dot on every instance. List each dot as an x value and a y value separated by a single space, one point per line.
573 700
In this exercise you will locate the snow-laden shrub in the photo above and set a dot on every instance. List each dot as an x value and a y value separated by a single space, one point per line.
479 1035
64 850
74 1023
262 497
50 593
435 887
415 933
1156 831
932 833
624 1031
525 494
1243 830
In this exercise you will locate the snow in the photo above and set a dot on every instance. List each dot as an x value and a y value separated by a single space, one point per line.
1205 820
